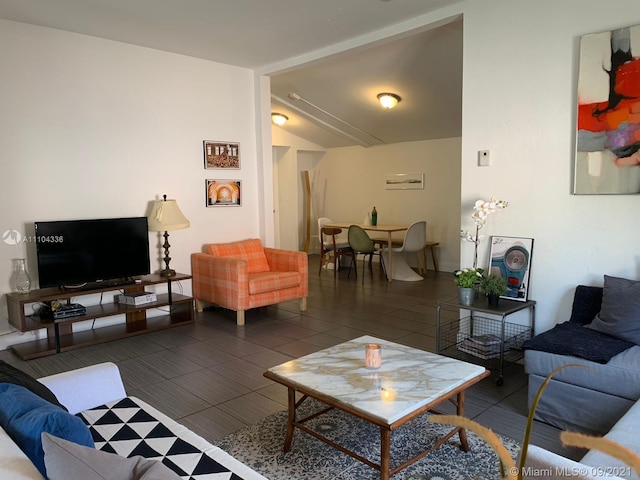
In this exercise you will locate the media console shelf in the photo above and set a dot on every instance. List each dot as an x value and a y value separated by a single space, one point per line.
60 334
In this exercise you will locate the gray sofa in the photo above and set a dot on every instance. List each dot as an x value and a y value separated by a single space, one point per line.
591 399
600 398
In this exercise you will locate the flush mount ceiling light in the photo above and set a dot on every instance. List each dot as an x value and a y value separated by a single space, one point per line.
279 119
388 100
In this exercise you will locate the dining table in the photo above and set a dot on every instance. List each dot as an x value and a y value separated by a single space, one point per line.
388 229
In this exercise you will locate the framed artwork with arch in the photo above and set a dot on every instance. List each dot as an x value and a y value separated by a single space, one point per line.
223 193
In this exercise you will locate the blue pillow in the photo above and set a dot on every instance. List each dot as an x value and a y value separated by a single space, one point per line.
24 416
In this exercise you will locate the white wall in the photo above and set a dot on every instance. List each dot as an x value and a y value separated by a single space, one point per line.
520 75
292 156
91 128
350 181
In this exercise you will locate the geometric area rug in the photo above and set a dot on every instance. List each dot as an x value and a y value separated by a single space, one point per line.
259 446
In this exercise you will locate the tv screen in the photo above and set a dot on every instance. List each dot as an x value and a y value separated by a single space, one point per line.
72 253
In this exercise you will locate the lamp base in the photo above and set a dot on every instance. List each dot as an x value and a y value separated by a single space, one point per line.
168 272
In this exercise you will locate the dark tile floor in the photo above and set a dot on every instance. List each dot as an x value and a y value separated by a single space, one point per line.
208 375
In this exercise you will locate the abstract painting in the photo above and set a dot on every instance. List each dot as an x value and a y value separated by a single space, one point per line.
607 157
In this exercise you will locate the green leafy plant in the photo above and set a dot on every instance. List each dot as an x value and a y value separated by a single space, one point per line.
493 285
468 277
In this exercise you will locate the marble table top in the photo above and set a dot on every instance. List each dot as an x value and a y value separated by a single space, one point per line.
407 380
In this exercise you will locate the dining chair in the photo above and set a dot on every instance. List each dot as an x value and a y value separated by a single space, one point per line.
415 240
360 242
333 246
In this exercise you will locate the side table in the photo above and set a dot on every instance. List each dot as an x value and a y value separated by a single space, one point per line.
480 339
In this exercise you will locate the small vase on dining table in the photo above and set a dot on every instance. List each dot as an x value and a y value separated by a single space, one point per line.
466 295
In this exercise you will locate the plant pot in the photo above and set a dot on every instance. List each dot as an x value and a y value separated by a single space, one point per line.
466 295
493 299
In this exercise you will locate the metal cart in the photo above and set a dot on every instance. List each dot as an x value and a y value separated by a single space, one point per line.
481 339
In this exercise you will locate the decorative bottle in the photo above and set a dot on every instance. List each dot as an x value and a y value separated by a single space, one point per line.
374 217
21 279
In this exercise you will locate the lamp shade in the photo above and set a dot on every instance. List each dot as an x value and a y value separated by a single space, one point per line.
166 216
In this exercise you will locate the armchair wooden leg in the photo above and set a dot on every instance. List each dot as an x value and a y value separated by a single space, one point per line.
303 304
199 306
240 318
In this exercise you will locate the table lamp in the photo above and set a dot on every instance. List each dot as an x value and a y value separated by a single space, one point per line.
166 216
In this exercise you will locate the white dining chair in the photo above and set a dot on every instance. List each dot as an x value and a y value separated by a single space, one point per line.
415 240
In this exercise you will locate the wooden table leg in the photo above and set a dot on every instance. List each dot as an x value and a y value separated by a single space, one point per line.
462 433
291 419
390 266
385 453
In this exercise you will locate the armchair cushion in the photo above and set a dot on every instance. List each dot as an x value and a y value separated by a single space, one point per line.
250 250
270 282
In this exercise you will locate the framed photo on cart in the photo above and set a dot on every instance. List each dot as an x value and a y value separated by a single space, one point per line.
221 154
223 193
511 259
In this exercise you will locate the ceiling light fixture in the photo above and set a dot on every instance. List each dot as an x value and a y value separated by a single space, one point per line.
388 100
279 119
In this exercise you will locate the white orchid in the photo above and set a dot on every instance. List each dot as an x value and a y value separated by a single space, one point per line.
481 210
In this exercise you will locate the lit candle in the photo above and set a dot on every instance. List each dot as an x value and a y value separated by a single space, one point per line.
373 355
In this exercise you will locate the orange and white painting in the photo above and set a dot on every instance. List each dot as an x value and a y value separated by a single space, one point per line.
608 118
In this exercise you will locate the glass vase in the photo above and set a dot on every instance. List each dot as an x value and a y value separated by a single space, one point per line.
21 278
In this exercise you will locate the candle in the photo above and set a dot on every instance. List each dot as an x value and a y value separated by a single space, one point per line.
373 355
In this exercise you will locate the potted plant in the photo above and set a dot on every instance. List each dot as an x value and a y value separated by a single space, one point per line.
493 286
467 280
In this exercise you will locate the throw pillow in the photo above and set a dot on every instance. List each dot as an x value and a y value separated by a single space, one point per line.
66 460
250 250
24 416
620 312
10 374
587 302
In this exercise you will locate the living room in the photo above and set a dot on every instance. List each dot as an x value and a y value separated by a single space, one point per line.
100 128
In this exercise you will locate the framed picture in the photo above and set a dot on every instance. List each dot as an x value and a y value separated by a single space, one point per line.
223 193
404 181
607 157
511 259
221 155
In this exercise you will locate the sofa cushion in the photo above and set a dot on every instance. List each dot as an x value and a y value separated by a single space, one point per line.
65 460
10 374
24 416
620 312
587 301
249 250
570 338
271 281
619 377
625 433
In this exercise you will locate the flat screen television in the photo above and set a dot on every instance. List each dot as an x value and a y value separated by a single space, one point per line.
82 253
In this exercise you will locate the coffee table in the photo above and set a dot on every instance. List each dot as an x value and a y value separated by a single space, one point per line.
409 383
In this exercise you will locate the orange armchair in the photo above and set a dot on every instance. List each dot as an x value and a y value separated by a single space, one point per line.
243 275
